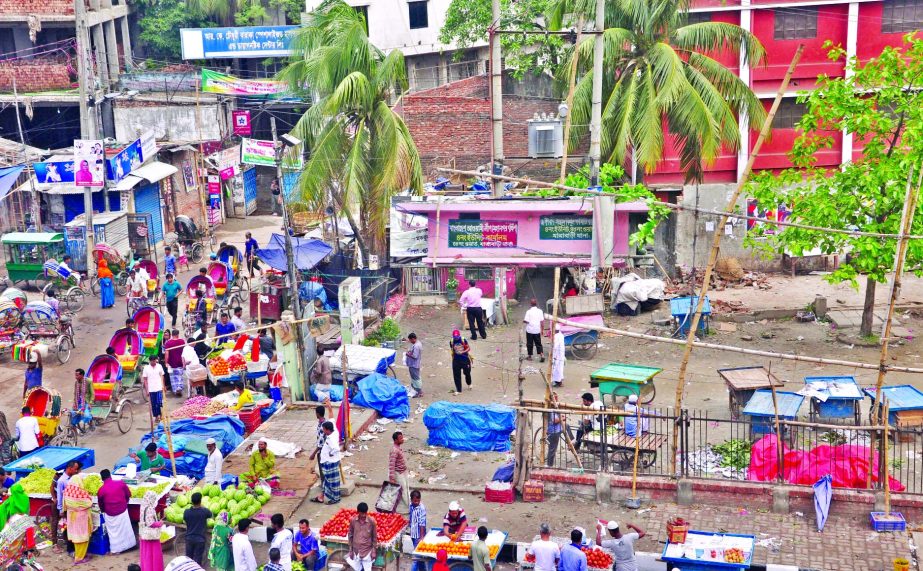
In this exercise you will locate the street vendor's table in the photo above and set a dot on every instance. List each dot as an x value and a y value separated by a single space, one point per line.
696 553
40 504
762 412
54 457
905 405
834 398
742 382
495 538
387 553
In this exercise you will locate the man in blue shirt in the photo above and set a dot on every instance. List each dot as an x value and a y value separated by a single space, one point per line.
169 261
250 246
224 329
306 547
171 290
417 526
572 557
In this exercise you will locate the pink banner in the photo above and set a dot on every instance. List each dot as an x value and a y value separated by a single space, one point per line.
241 122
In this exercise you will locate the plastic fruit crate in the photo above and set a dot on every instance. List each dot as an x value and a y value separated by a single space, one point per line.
499 496
888 522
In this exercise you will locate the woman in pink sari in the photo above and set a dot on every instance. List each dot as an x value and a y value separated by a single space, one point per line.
149 533
77 503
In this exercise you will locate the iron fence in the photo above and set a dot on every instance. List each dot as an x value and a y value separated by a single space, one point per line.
709 447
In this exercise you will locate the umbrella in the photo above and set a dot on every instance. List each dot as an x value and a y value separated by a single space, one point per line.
823 490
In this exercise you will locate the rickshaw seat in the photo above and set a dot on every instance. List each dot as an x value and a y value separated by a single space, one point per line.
103 391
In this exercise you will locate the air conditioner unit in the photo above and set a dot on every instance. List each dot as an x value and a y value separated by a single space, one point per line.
546 137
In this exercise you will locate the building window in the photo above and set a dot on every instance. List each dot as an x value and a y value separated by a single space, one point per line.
479 274
697 17
899 16
796 23
469 215
419 17
789 114
364 12
7 44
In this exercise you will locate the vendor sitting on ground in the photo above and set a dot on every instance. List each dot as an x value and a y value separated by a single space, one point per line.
150 460
454 522
245 396
262 463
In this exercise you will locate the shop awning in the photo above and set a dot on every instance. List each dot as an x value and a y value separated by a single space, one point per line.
51 188
8 177
127 183
151 172
307 253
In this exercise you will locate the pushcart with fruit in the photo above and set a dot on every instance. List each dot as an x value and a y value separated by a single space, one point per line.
707 551
597 558
387 555
459 552
129 350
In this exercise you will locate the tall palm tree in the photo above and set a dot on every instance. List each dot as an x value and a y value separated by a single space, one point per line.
661 71
361 150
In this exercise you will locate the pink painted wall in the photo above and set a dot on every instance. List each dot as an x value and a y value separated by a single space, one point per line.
487 286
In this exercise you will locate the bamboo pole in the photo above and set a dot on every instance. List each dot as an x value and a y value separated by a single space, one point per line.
572 84
166 429
884 462
554 314
554 403
775 411
900 256
634 468
742 350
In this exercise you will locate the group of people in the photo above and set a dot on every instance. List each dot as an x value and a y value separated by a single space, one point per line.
549 556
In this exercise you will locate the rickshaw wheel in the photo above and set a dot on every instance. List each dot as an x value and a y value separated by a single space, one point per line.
64 346
43 520
648 392
121 284
244 283
45 289
583 346
39 282
94 287
144 396
196 252
124 416
75 299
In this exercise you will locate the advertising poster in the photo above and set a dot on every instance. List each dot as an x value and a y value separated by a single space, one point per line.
257 152
352 325
241 122
126 161
214 82
189 176
240 42
54 172
482 234
88 162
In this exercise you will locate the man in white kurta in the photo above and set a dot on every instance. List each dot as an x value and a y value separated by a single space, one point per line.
557 360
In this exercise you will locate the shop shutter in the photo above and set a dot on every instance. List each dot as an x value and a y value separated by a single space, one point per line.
250 190
147 199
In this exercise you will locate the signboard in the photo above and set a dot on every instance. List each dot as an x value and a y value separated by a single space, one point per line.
482 234
189 176
88 158
126 161
148 144
352 327
243 42
214 82
228 162
241 122
257 152
409 234
54 172
565 227
139 234
214 191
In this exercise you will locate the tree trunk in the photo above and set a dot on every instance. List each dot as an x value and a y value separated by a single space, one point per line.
868 309
357 231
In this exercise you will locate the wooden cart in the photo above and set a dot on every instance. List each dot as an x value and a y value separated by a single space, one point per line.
742 382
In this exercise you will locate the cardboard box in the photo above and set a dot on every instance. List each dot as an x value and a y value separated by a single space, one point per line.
533 491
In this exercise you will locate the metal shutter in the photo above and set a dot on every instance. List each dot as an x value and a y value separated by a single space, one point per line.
250 190
147 199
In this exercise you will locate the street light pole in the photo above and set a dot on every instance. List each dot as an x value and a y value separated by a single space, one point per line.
286 228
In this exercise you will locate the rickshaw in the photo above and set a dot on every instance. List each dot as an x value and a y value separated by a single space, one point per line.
231 256
149 324
205 284
45 405
10 323
129 351
117 265
68 285
26 252
227 289
105 378
16 296
153 282
190 239
41 323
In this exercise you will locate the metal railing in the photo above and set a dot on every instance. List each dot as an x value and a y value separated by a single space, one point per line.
719 448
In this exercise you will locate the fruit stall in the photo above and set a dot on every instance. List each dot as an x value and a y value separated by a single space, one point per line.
597 558
235 361
387 556
37 486
459 551
239 501
706 551
53 457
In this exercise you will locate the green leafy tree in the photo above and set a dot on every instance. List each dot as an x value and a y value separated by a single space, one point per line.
361 150
245 12
159 22
467 21
881 104
660 71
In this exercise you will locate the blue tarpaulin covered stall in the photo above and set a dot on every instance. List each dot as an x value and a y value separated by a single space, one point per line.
307 253
470 427
384 394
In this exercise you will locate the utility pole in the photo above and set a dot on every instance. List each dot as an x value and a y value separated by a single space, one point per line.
597 95
36 211
289 252
87 125
496 99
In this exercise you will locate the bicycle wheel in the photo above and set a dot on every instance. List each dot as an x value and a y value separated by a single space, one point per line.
583 346
94 286
124 416
74 299
121 284
47 288
64 346
196 252
43 518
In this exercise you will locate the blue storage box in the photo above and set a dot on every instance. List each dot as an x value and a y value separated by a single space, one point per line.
682 310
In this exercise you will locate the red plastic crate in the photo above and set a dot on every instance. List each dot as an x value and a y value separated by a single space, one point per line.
499 496
251 419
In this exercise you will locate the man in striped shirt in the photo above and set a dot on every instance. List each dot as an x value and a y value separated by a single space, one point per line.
417 526
397 468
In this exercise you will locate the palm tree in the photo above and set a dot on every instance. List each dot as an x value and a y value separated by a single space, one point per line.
361 150
661 72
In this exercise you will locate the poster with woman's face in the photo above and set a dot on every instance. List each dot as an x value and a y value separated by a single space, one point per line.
88 163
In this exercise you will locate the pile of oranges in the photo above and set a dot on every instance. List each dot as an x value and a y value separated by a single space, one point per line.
454 549
735 555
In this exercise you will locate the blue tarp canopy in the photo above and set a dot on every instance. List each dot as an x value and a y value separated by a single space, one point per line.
384 394
307 252
8 177
470 427
226 430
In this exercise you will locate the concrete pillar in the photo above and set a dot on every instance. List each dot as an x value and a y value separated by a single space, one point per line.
820 306
684 495
126 41
852 40
780 501
743 155
603 488
112 50
102 67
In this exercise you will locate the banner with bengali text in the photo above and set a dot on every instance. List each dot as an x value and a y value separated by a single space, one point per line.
483 234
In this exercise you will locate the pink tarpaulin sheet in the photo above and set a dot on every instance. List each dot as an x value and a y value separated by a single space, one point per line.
593 320
847 464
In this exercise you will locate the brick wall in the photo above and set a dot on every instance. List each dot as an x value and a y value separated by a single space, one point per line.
34 75
451 126
24 7
186 201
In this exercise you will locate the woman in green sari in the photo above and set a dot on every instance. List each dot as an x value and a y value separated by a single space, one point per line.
219 554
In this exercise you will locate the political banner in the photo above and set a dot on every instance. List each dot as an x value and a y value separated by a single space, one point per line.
565 227
241 42
128 159
482 234
88 159
241 122
214 82
54 172
257 152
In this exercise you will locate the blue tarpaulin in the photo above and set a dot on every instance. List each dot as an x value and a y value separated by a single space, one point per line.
336 393
384 394
823 490
470 427
307 253
8 176
226 430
